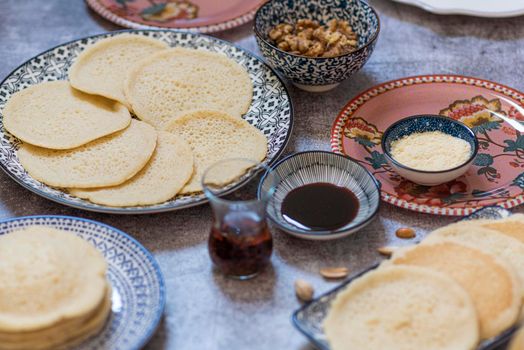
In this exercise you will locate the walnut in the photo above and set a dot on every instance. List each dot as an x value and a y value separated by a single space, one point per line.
308 38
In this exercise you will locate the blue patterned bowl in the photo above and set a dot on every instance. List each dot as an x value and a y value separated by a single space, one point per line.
317 74
309 167
425 123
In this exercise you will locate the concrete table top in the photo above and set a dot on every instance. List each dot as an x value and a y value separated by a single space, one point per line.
204 309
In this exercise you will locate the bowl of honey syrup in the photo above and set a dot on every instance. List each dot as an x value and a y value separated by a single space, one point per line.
320 195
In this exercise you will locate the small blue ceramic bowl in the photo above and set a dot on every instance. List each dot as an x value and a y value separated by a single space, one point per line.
426 123
310 167
317 74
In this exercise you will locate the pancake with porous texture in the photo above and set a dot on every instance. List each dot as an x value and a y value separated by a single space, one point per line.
490 281
215 136
174 82
107 161
491 241
54 115
63 335
402 308
161 179
102 68
63 277
511 226
517 343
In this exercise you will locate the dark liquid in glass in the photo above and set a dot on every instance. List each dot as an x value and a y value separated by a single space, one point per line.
320 206
241 244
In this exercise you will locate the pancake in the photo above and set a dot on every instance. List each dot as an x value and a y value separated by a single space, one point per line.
47 276
511 226
174 82
469 233
215 136
63 335
517 343
108 161
54 115
490 281
102 68
402 308
161 179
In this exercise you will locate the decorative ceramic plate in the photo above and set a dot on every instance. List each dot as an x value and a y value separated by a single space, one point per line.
138 286
309 318
482 8
204 16
496 176
271 110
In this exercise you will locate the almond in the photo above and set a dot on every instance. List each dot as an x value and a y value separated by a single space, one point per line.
334 272
405 233
387 250
304 290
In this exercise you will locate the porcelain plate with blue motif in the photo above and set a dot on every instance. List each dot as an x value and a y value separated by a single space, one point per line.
138 295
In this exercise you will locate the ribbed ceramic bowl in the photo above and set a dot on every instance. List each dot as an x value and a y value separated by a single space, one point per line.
310 167
426 123
309 73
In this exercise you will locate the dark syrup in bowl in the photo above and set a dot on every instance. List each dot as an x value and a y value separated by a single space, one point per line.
320 207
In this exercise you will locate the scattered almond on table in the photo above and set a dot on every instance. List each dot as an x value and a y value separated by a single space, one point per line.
387 250
304 290
334 272
405 233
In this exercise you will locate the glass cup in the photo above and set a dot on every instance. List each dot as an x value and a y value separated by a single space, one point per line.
240 243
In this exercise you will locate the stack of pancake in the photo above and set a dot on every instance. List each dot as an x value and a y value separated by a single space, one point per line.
461 285
79 134
53 297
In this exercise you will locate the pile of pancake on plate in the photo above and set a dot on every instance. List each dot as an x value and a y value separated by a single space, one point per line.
461 285
56 296
80 135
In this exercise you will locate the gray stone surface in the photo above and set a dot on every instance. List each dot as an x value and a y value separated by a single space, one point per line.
205 310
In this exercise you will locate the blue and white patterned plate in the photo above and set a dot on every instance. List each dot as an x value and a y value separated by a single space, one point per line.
271 110
138 286
310 317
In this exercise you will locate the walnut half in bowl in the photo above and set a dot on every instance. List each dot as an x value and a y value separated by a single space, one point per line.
308 38
316 44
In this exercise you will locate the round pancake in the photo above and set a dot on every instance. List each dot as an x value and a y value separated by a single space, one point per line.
402 308
517 342
108 161
54 115
173 82
102 68
47 276
215 136
510 226
61 336
491 241
491 282
161 179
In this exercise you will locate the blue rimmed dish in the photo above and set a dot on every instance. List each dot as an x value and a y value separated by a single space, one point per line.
138 291
310 167
428 123
317 74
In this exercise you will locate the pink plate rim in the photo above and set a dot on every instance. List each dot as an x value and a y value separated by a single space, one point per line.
212 28
353 105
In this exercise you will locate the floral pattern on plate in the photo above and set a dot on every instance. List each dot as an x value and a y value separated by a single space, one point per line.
496 176
204 16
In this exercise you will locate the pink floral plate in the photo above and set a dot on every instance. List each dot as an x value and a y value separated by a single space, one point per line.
497 174
205 16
